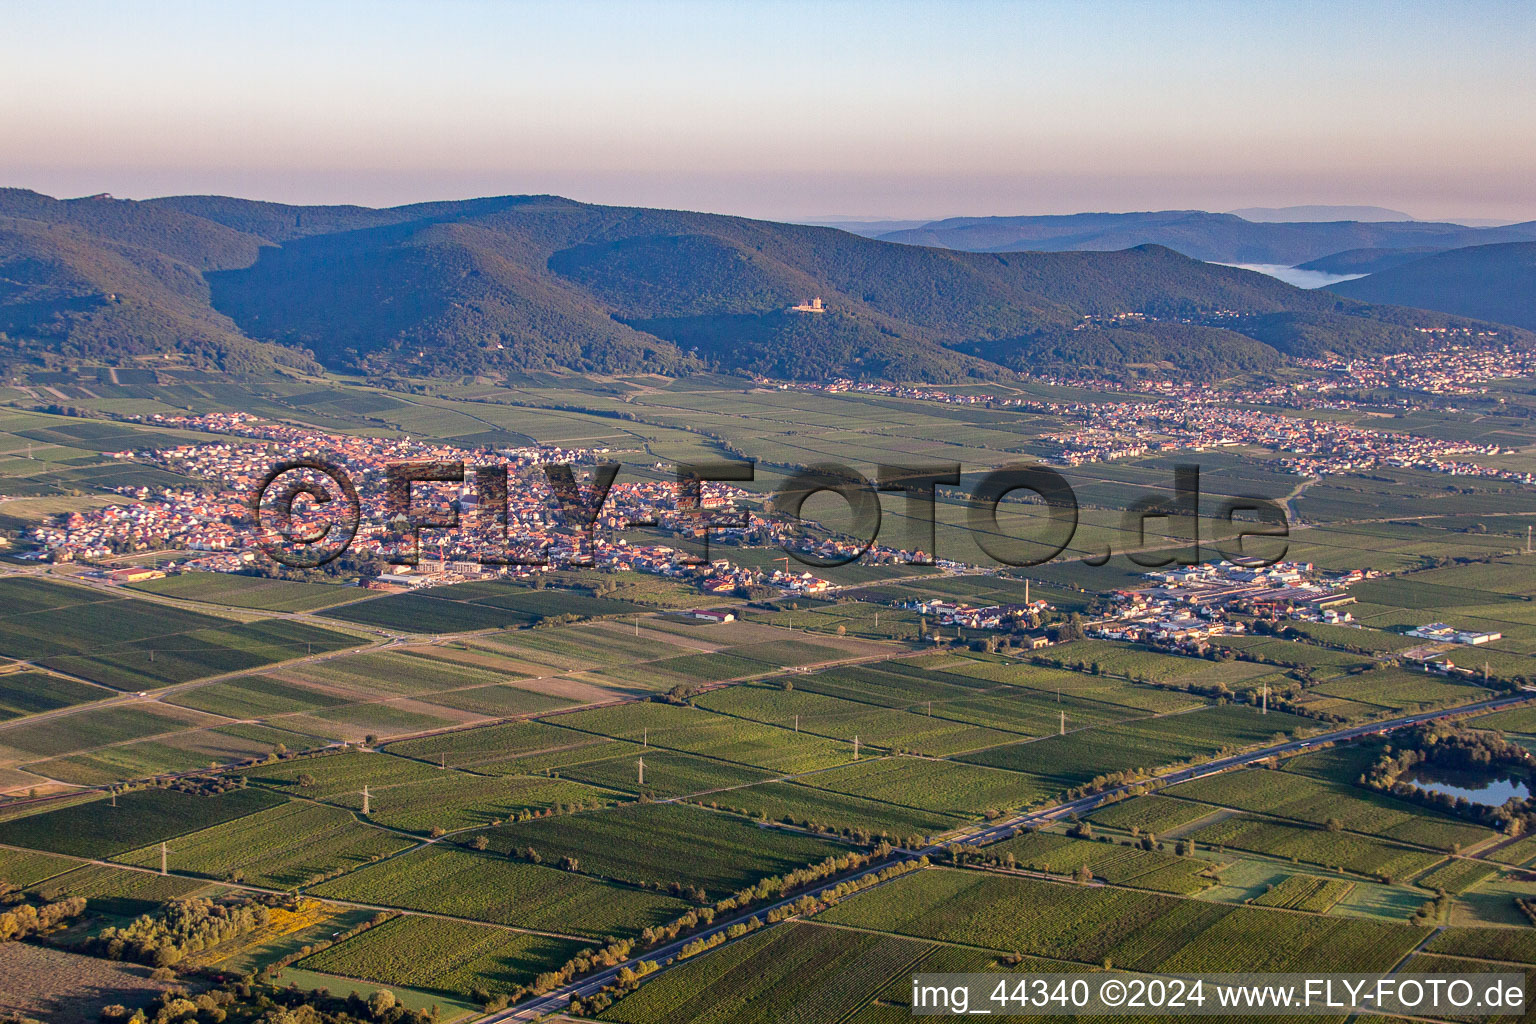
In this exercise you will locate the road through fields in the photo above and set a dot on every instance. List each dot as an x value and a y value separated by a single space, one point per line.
557 1000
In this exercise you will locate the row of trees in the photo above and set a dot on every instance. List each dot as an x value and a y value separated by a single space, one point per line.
247 1003
180 928
22 920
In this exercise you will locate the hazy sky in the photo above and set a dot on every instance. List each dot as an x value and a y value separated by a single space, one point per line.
788 110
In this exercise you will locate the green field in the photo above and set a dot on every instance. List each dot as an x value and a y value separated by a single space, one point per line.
1289 795
1135 930
91 727
1305 892
695 731
1155 814
133 644
119 893
799 804
1080 757
26 693
453 957
513 747
1118 863
254 592
23 869
656 845
822 715
255 697
1312 845
1456 875
454 801
469 607
1511 945
493 889
946 787
97 829
286 846
331 775
785 973
667 773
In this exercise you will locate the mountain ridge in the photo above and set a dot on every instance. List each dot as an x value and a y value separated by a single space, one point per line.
1495 282
1214 237
516 283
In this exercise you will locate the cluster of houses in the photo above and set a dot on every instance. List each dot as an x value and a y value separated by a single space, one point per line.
1190 604
1119 430
215 528
995 616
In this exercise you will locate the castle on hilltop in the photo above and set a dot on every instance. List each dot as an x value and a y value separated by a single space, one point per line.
814 306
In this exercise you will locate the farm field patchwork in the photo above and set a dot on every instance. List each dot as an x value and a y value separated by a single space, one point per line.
667 773
655 845
1289 795
1313 845
1134 930
467 607
131 644
818 714
510 748
798 804
490 888
782 974
696 731
1305 892
947 787
1079 757
27 693
1510 945
254 592
1151 813
1116 862
455 957
97 829
293 844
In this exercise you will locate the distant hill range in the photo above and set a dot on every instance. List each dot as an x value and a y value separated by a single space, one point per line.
517 283
1493 282
1294 214
1218 237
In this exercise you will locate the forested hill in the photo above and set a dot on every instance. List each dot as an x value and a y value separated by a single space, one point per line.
1489 281
541 282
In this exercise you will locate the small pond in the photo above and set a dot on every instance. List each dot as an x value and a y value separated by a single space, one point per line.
1491 788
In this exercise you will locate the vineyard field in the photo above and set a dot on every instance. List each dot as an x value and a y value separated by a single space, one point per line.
493 889
297 843
657 844
453 957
